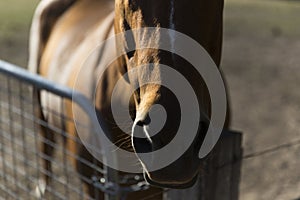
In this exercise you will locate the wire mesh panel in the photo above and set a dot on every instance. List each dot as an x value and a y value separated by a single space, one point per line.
34 152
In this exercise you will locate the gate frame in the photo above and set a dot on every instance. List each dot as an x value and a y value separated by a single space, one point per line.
222 167
42 83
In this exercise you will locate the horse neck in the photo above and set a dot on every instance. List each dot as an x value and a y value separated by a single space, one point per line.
203 21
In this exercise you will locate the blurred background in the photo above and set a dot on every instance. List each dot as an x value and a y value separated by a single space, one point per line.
261 62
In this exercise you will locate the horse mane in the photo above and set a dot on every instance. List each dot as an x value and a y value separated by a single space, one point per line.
45 17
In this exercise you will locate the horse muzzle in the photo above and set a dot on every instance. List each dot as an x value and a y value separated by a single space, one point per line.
182 173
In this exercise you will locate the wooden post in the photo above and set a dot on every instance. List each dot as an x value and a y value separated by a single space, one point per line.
220 175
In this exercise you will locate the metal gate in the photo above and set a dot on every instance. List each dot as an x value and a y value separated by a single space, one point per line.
21 165
21 169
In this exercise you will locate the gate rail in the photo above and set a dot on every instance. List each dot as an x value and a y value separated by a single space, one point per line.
110 183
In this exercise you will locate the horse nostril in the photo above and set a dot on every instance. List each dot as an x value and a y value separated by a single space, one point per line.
140 123
145 121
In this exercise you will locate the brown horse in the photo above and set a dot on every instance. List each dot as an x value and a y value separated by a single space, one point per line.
63 34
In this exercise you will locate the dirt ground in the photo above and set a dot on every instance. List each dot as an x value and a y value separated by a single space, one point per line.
262 67
261 62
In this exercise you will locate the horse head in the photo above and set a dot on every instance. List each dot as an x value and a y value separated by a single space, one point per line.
200 20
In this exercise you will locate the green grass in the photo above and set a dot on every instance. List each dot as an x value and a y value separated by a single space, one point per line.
15 19
262 18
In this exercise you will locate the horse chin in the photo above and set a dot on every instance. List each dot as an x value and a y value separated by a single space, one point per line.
183 185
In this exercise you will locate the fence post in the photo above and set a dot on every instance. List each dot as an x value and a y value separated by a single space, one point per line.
220 174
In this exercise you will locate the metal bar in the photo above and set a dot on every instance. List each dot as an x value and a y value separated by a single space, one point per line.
11 129
56 146
40 83
36 144
3 153
22 107
62 119
20 158
33 79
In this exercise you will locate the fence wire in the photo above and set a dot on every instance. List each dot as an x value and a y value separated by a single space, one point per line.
23 151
